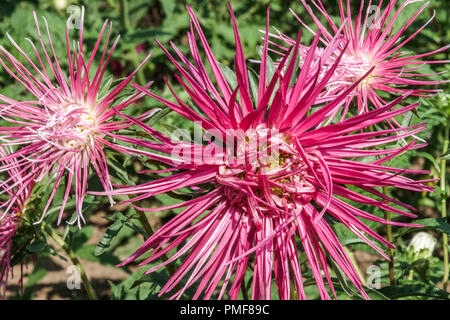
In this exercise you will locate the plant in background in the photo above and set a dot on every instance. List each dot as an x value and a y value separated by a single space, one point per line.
372 42
438 111
247 213
443 108
421 246
62 133
19 192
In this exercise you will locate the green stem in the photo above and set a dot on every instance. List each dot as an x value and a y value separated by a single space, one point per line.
294 294
149 231
444 194
126 25
73 257
124 15
387 216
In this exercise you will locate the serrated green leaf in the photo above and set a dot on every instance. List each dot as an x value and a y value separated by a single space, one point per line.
414 289
110 234
116 290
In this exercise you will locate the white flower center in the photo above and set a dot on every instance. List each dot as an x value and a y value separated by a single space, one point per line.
71 126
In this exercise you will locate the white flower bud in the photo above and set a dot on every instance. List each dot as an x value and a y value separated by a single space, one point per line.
421 246
60 4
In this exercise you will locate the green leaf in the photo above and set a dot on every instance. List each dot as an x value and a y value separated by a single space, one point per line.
145 290
348 238
446 156
110 234
414 289
229 75
172 131
341 279
270 65
138 229
168 7
80 237
87 252
253 80
105 87
430 158
348 242
37 246
140 286
439 224
158 116
119 170
422 268
375 294
34 278
116 291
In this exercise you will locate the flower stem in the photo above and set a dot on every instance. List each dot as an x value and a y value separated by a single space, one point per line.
73 257
126 25
293 289
124 15
411 275
149 231
444 194
387 216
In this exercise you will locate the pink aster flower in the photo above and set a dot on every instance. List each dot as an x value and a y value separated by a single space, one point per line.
269 193
372 42
63 129
9 221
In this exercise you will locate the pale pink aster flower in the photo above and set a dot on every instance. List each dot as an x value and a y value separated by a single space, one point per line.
257 212
63 131
372 42
9 221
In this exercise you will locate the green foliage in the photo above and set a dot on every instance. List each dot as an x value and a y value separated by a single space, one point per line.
414 289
